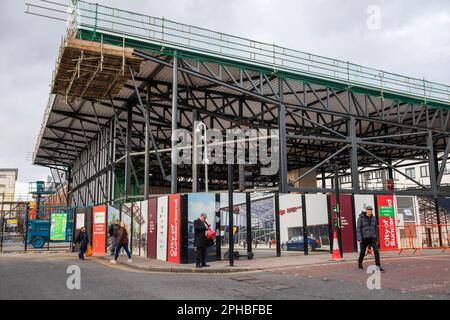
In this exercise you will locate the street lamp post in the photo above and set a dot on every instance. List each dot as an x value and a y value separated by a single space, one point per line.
205 157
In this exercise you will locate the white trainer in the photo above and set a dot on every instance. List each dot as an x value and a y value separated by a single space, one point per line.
130 260
113 261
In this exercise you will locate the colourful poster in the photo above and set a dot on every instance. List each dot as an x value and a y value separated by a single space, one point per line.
152 231
80 221
142 221
58 227
173 236
201 203
161 240
113 214
387 223
99 229
348 235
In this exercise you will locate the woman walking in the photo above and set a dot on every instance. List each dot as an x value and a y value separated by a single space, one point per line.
122 242
83 239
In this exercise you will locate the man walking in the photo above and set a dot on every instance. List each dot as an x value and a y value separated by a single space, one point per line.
367 234
200 240
113 232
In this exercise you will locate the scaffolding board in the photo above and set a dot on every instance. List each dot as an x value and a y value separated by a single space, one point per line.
91 70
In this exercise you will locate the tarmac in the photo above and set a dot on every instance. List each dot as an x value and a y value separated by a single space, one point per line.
264 260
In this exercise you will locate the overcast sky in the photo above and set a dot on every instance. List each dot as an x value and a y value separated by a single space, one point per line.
413 39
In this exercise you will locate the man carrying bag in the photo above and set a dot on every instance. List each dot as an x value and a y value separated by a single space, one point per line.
201 241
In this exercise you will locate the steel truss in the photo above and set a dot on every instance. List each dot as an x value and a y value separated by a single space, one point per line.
318 126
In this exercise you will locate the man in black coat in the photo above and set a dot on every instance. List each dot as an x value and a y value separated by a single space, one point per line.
367 234
200 240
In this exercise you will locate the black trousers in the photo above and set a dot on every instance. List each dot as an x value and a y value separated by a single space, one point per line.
201 255
373 244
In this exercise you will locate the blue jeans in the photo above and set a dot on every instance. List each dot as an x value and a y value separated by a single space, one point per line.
125 247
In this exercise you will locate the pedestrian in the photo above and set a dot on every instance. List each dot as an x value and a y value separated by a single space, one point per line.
113 232
122 242
367 234
83 240
200 241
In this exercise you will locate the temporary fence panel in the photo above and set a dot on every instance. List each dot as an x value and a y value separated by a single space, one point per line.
99 229
317 219
152 227
347 229
387 222
13 217
198 203
291 210
163 211
142 221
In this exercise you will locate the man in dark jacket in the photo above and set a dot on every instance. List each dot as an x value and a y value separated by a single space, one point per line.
200 240
367 234
83 240
113 232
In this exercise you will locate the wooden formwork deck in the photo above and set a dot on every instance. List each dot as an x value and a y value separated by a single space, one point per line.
91 70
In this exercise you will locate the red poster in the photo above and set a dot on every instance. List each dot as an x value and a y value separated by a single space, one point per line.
99 229
387 223
348 237
151 241
173 238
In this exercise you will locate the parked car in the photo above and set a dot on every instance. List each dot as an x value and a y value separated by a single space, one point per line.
297 243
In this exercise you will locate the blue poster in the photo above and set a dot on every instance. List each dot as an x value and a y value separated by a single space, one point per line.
201 203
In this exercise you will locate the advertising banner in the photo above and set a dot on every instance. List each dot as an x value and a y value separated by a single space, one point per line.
127 211
99 229
291 209
161 236
317 218
142 220
80 221
113 214
174 227
152 231
59 226
200 203
387 223
348 235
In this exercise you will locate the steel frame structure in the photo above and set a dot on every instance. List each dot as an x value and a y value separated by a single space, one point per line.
113 146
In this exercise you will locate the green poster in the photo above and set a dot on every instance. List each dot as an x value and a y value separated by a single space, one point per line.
387 212
58 227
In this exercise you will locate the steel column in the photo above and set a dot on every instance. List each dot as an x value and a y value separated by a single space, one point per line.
282 138
128 159
174 174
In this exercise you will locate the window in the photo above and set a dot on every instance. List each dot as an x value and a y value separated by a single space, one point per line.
424 172
411 172
447 168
